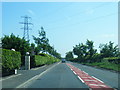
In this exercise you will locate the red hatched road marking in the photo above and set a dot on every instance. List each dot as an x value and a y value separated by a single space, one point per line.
92 82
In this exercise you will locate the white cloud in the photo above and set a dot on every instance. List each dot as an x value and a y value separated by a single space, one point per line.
31 12
108 35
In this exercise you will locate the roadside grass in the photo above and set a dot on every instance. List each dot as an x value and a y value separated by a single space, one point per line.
105 65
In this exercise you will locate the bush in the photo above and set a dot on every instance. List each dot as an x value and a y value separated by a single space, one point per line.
42 59
10 60
115 60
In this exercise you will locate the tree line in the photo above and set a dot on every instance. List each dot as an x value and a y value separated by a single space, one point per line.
87 53
41 44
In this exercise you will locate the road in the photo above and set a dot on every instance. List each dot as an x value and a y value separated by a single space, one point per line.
64 75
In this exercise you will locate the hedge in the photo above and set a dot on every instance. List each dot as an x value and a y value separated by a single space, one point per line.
115 60
10 60
42 59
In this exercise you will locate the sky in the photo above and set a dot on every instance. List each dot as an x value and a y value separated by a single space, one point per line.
66 23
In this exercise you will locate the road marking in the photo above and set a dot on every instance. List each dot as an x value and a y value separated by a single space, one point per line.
74 72
98 79
86 77
38 68
97 85
85 72
10 77
36 77
82 75
90 80
81 79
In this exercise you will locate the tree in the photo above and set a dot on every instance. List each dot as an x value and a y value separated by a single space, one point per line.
13 42
90 50
69 55
109 50
41 41
85 52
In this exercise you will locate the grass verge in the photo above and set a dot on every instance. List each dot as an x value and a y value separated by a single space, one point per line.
105 65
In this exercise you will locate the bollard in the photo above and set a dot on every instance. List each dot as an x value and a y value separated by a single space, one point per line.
27 61
15 71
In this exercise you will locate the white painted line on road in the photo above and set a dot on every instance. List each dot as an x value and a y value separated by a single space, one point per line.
85 72
36 77
98 79
86 77
97 85
38 68
74 72
81 79
90 80
10 77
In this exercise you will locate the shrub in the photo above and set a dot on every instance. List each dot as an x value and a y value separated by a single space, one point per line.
10 60
42 59
115 60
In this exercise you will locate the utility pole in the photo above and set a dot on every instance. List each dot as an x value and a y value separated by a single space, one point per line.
26 27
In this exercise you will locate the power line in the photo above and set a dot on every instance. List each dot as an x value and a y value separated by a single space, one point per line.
26 28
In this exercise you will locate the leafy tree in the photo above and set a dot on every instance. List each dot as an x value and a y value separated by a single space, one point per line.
41 41
13 42
69 55
109 50
84 52
90 50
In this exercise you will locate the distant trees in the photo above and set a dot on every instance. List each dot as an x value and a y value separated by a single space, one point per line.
69 55
87 53
84 51
43 44
41 41
109 50
23 46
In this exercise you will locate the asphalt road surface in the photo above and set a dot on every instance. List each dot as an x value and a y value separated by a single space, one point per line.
65 75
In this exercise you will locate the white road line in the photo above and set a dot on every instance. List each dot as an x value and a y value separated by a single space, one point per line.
90 80
74 72
38 68
10 77
98 79
36 77
86 77
85 72
97 85
81 79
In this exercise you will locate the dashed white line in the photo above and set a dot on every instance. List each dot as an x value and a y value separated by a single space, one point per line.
98 79
90 80
97 85
86 77
85 72
74 72
81 79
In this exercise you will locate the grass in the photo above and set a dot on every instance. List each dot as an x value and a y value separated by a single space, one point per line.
105 65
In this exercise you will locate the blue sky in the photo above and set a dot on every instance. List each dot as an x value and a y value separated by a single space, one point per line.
66 23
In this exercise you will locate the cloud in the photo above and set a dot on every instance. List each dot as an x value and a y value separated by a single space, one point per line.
31 12
108 35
